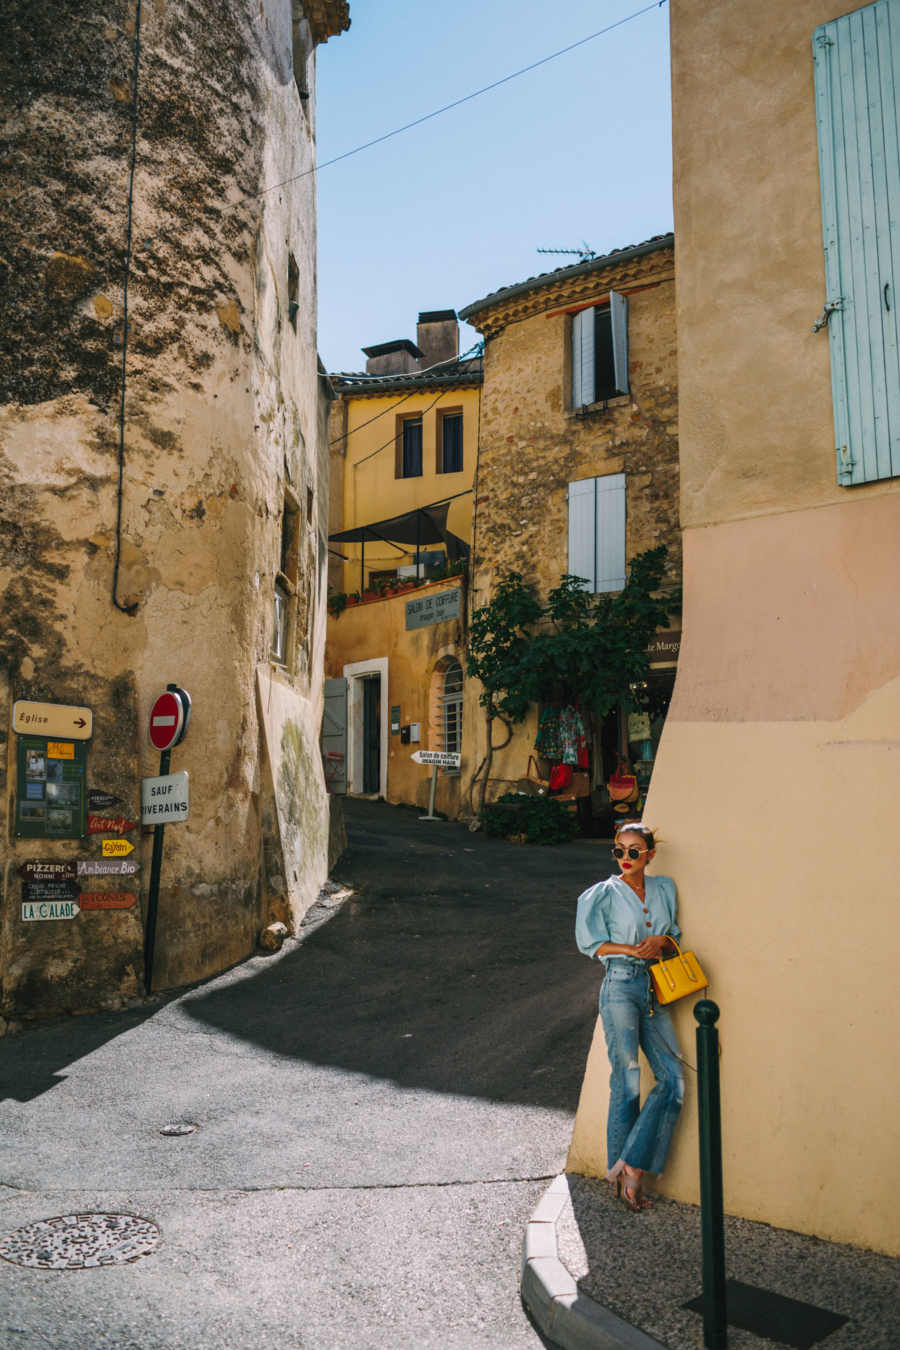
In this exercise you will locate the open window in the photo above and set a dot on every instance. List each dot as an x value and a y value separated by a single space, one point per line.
600 352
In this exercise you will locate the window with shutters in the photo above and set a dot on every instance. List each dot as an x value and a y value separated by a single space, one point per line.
599 339
857 79
597 532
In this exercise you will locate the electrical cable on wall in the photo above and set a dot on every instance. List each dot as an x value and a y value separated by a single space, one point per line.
451 389
126 609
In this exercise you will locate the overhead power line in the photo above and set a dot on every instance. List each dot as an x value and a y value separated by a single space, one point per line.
658 4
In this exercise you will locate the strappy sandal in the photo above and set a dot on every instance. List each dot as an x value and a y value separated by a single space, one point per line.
623 1183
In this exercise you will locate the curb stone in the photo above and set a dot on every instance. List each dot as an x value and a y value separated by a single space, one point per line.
571 1319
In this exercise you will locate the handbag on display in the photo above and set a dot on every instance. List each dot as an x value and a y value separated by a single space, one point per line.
581 784
678 976
560 777
534 786
623 786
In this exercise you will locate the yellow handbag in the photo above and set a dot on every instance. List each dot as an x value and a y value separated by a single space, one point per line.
677 977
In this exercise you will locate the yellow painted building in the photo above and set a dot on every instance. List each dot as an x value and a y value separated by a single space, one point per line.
776 788
404 438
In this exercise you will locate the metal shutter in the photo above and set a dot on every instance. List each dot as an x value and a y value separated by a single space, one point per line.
857 74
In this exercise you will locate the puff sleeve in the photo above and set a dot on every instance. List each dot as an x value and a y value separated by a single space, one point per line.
591 927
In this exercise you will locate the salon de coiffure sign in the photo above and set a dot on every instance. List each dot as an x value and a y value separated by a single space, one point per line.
424 610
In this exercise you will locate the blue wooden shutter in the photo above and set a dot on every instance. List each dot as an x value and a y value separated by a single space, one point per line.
582 358
610 566
334 733
583 529
857 75
618 309
597 532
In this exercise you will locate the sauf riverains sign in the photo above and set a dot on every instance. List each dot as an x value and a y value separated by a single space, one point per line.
426 609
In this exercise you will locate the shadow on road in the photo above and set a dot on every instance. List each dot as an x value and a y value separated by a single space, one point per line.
453 968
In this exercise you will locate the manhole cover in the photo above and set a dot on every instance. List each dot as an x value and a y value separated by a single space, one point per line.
80 1241
178 1128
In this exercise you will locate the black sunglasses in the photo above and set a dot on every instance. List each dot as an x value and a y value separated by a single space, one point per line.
633 853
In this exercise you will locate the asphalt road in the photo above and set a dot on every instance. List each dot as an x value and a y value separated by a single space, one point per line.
379 1106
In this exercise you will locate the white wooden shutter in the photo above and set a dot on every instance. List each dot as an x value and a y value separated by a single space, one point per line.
334 734
582 358
857 72
610 565
618 308
583 531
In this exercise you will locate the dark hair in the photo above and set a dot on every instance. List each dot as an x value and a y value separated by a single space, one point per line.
635 827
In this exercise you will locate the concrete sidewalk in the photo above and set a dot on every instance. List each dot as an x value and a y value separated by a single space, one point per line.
599 1277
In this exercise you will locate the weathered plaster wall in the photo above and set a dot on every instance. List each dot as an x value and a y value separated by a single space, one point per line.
378 629
223 415
532 447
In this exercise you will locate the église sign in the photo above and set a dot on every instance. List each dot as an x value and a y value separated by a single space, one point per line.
426 609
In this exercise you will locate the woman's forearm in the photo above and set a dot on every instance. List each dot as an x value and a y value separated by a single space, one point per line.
615 949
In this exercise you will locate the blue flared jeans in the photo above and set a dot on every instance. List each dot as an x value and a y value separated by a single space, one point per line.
632 1017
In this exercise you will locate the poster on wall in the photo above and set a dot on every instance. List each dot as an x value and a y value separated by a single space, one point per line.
51 798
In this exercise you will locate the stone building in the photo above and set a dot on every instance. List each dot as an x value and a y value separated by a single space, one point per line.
578 459
164 466
777 782
403 456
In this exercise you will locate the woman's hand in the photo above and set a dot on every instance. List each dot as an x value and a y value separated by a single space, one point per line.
651 947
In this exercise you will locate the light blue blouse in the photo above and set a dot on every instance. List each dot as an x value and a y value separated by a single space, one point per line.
611 912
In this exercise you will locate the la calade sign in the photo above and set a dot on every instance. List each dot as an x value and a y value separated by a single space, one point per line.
431 608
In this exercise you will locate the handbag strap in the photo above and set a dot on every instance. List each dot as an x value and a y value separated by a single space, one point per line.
537 776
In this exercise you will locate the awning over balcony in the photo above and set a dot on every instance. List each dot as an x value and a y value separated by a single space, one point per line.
421 526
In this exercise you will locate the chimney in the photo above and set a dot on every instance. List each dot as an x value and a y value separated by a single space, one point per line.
393 358
437 334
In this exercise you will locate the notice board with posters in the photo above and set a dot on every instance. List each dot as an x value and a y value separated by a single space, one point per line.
51 792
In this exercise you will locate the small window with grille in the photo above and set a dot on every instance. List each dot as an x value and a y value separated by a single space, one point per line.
450 711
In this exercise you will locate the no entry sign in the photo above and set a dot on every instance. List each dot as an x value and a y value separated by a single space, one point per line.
166 721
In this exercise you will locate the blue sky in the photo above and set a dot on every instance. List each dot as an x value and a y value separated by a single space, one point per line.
579 149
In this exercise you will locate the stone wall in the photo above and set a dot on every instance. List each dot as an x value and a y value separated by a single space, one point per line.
223 415
533 445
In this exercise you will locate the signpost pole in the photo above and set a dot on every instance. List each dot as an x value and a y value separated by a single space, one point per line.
165 760
431 815
155 870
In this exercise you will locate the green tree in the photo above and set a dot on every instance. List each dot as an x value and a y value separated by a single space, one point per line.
593 646
496 647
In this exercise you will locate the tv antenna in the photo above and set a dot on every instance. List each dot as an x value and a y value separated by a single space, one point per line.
584 253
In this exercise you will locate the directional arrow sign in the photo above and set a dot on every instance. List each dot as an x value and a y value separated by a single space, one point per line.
53 719
108 867
49 909
110 824
98 800
107 900
444 759
116 848
48 871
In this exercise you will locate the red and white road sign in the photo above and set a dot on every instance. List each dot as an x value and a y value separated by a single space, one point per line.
166 721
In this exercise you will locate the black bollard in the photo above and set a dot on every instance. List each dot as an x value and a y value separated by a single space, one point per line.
712 1202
